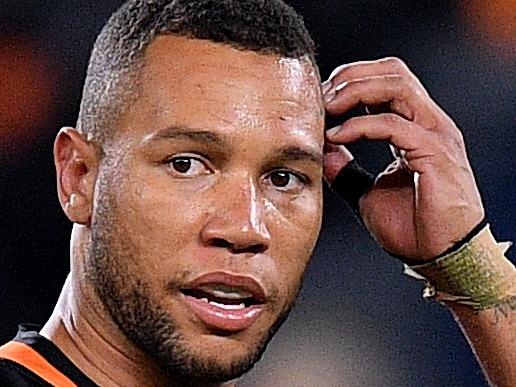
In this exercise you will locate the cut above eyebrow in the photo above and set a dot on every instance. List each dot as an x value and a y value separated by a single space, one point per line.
197 135
295 153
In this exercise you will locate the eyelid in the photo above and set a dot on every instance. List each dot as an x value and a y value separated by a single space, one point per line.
194 156
304 179
300 175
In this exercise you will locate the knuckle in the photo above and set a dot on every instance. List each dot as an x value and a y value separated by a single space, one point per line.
395 62
453 150
400 84
391 118
354 122
451 132
457 138
457 135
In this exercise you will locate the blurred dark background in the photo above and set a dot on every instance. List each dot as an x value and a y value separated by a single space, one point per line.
359 321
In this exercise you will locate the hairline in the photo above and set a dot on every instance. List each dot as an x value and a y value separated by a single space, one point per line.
132 73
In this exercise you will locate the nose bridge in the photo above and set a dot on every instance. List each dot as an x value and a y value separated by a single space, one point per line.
240 219
244 209
247 206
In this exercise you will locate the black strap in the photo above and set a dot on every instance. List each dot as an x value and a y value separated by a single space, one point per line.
351 183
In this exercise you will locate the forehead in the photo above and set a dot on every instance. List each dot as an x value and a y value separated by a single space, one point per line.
193 82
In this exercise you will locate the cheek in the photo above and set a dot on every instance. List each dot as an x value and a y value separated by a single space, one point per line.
295 231
301 218
159 219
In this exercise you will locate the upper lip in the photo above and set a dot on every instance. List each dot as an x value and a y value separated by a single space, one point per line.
245 283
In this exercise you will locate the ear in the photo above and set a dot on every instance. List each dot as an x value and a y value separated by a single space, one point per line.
76 164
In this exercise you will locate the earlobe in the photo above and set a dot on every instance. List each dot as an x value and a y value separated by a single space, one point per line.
76 168
77 209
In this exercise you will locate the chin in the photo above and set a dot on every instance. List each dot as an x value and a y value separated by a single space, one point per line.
228 348
215 367
216 358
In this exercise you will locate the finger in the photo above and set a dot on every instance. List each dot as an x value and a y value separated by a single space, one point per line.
390 127
402 96
363 69
336 157
336 148
332 121
345 176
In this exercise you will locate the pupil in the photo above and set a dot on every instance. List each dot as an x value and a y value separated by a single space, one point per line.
280 179
182 165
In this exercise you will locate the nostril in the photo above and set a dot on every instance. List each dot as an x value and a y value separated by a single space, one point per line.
258 248
219 242
255 249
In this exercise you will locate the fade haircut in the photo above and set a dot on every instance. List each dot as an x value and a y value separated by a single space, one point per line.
263 26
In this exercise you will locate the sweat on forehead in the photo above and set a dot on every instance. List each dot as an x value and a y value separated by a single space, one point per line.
204 85
201 65
263 26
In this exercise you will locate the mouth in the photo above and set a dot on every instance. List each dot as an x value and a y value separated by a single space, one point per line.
225 303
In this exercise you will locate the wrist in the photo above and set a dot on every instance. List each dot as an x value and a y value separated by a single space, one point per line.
476 274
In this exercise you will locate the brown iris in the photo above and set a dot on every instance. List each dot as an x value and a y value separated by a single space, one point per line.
182 165
280 179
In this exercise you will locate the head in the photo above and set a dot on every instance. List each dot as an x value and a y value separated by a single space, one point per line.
196 169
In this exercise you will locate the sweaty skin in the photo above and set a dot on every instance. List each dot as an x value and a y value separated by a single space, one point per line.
217 166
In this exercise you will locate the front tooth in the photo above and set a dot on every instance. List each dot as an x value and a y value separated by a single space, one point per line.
204 299
228 295
224 292
227 306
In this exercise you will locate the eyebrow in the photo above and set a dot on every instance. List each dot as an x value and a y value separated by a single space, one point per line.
295 153
197 135
289 153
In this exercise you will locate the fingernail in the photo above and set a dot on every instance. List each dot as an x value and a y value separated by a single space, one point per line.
329 95
332 131
326 86
340 86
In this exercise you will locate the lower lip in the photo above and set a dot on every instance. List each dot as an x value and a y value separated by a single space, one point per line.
222 319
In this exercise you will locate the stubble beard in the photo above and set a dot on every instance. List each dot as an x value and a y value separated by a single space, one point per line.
143 320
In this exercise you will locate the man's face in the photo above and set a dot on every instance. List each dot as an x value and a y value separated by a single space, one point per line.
208 204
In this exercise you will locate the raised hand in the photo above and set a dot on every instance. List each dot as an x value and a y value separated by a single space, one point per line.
425 201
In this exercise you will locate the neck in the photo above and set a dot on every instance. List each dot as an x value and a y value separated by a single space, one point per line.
83 330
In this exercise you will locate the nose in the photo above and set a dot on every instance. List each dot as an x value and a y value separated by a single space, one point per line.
238 224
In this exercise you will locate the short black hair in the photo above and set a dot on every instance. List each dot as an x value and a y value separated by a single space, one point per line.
263 26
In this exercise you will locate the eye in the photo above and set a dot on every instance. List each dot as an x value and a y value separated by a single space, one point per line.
188 166
286 181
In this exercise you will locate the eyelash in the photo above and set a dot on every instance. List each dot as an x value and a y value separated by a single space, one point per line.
170 160
301 177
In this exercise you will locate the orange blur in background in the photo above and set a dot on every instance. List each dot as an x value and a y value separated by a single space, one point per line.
27 97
